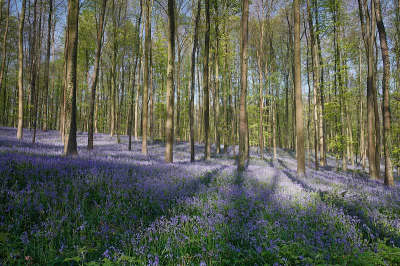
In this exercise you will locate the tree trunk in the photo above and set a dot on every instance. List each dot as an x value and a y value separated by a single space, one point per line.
315 68
207 150
47 67
70 146
243 88
217 83
385 88
368 30
169 124
137 55
95 74
4 57
301 168
146 78
20 71
192 86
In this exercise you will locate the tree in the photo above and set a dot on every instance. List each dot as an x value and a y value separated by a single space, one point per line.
146 77
301 168
260 52
47 66
368 32
20 71
136 59
207 148
169 124
314 57
95 77
193 80
70 145
243 130
385 88
4 57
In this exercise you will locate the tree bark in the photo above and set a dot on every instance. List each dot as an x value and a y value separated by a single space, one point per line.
137 55
146 78
4 53
368 37
95 73
243 152
192 86
169 124
301 169
70 146
207 149
47 66
385 88
20 71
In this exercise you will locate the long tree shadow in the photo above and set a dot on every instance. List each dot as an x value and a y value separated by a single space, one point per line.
340 202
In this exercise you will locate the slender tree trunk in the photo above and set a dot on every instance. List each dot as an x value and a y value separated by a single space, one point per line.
169 124
70 146
47 67
322 146
4 53
193 81
95 74
137 55
32 82
217 83
261 87
207 149
226 82
151 95
20 71
243 153
362 142
146 78
315 67
368 30
301 169
385 88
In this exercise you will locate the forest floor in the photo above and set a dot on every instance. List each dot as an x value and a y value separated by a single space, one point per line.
114 206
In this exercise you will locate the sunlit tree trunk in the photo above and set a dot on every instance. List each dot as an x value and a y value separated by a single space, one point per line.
146 77
169 124
301 168
243 131
192 84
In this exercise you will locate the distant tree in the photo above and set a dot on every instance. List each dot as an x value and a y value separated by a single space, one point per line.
47 67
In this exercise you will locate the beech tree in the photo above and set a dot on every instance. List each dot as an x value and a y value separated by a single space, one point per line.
71 44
